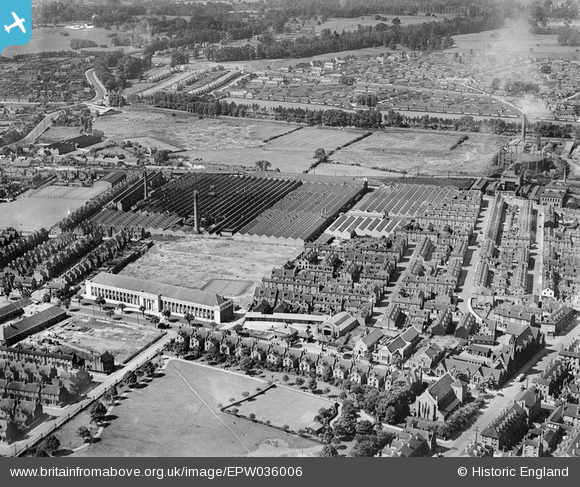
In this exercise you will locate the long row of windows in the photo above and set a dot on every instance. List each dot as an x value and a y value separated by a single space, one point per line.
134 299
114 295
182 309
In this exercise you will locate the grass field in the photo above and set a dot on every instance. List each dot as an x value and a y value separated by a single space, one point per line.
86 335
339 25
283 406
515 39
48 39
29 214
294 152
56 134
168 418
420 151
191 262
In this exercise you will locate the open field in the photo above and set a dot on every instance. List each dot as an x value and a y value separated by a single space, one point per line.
56 134
290 160
515 39
311 138
167 418
227 287
294 152
151 142
349 170
29 214
339 25
421 151
49 39
193 261
84 336
187 130
284 406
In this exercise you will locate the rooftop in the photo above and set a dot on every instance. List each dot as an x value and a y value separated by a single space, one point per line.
166 290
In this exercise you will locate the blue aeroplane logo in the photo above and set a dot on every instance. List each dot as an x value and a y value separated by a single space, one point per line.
15 17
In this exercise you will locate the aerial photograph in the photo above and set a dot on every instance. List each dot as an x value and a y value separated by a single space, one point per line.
290 228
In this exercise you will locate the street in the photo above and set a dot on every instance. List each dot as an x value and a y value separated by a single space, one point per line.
498 403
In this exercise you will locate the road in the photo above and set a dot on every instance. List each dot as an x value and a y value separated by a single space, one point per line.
473 257
40 128
101 92
497 403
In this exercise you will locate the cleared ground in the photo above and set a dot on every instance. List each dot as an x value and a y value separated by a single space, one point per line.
420 151
228 142
84 335
191 262
283 406
29 214
187 130
168 418
228 287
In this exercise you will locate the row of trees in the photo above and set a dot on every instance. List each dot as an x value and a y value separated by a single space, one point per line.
362 119
425 36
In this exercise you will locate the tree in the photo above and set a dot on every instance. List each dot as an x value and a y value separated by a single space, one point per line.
98 410
142 309
178 57
121 307
328 451
189 318
100 301
263 165
312 384
245 394
84 433
110 395
246 364
345 428
155 320
364 427
109 313
131 378
367 447
299 381
166 314
46 298
320 155
161 156
49 445
285 378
